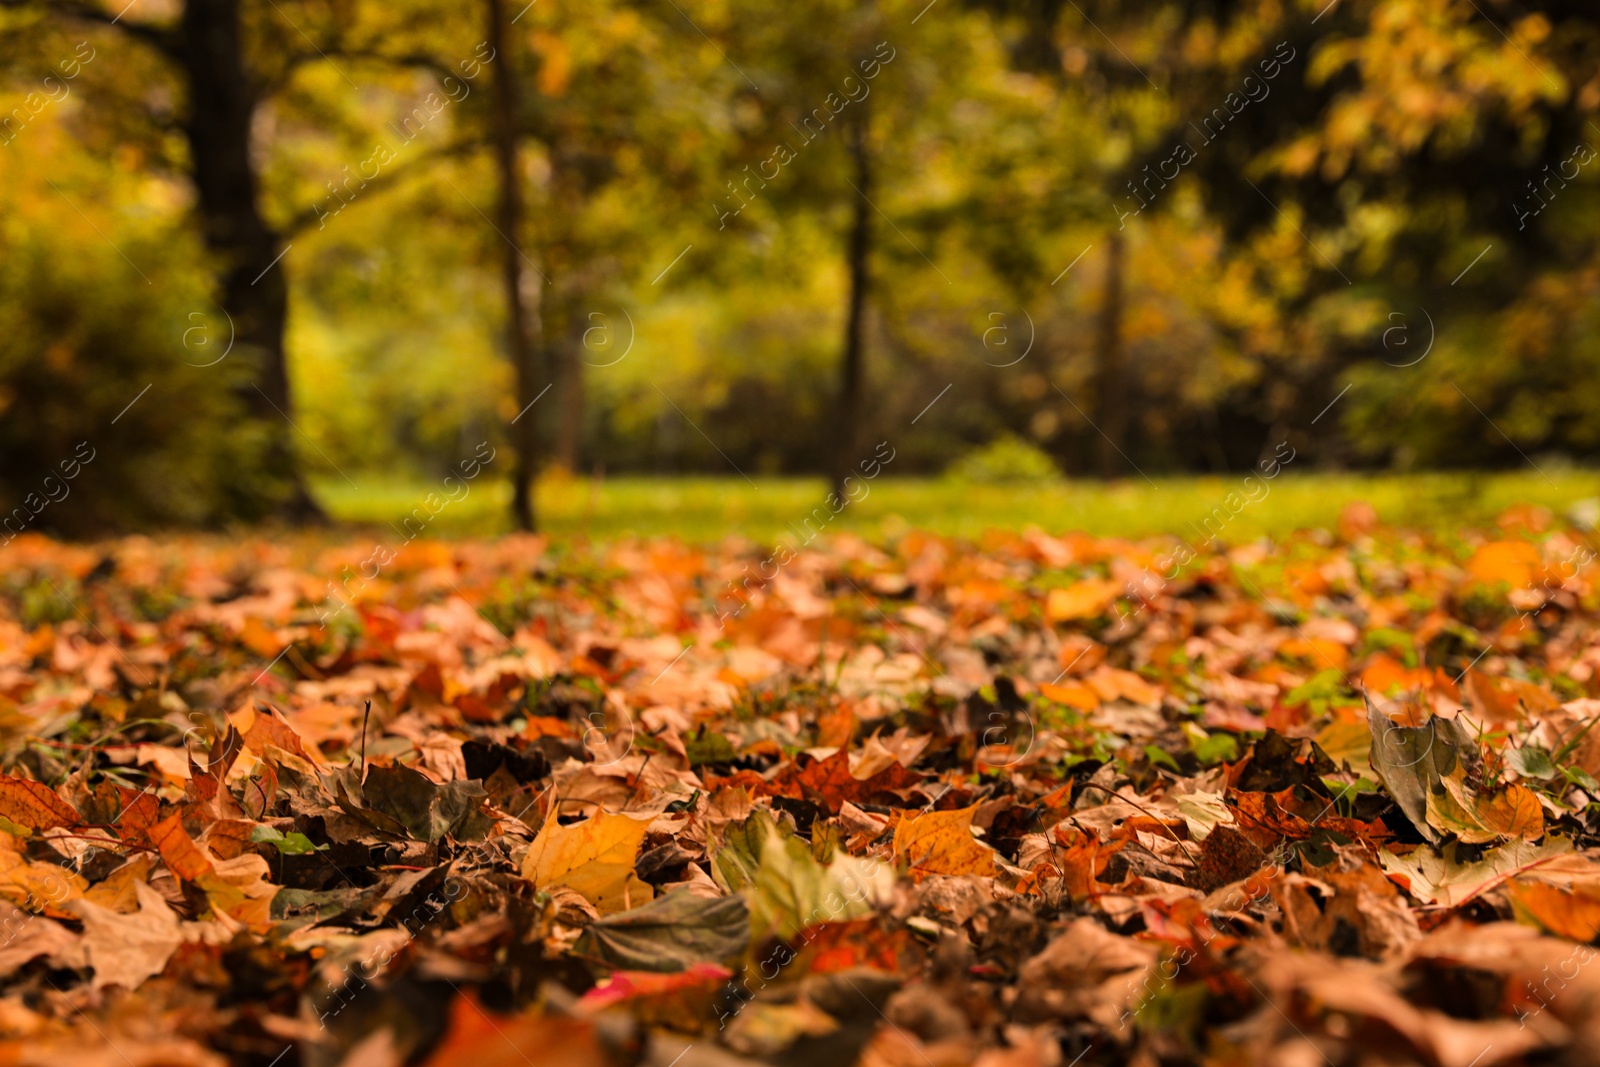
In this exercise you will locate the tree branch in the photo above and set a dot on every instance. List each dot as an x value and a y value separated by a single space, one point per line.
161 39
302 220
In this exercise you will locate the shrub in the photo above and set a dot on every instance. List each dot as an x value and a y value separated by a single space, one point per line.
1007 458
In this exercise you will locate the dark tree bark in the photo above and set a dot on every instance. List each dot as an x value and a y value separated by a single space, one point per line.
569 431
852 367
1111 369
222 103
521 284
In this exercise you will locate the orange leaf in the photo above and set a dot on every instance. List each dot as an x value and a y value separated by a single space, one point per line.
1511 562
841 946
182 856
1562 912
1072 694
482 1040
1319 651
1087 599
269 729
594 858
139 818
260 639
1112 684
34 804
1384 675
837 727
941 842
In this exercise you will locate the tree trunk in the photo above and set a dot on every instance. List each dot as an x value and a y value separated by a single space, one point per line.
521 284
852 366
569 431
1111 369
255 295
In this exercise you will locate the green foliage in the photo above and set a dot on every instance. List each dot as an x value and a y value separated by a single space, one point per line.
106 422
691 185
1005 460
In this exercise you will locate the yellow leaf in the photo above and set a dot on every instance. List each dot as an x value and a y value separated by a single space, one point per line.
941 842
1512 812
1087 599
595 858
41 887
117 893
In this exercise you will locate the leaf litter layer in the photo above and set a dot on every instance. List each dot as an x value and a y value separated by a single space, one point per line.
1033 800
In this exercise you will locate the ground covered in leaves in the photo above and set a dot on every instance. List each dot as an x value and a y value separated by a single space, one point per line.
1025 802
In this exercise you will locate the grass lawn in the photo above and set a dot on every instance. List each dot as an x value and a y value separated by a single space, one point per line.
704 509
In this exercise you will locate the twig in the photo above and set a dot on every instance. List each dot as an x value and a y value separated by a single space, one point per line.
1181 843
365 716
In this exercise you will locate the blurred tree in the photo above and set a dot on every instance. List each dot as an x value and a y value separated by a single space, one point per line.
115 411
223 80
522 285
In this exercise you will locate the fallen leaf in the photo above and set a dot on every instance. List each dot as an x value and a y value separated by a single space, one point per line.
1563 912
787 889
830 783
34 804
1511 562
127 949
941 842
1411 760
1512 811
1087 599
480 1039
671 933
595 857
1439 878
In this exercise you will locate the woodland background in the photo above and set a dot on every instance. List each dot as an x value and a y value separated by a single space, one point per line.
251 253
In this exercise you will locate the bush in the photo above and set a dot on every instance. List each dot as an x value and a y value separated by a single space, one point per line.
1007 458
82 336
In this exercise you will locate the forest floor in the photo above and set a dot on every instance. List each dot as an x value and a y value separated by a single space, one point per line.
1025 801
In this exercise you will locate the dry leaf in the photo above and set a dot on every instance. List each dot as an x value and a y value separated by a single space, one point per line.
126 949
595 857
34 804
941 842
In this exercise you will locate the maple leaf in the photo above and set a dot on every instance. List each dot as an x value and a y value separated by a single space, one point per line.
237 888
830 783
126 949
33 804
941 842
1511 812
787 888
1439 878
595 858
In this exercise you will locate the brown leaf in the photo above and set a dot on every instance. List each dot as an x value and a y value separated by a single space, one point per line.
34 804
828 782
126 949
